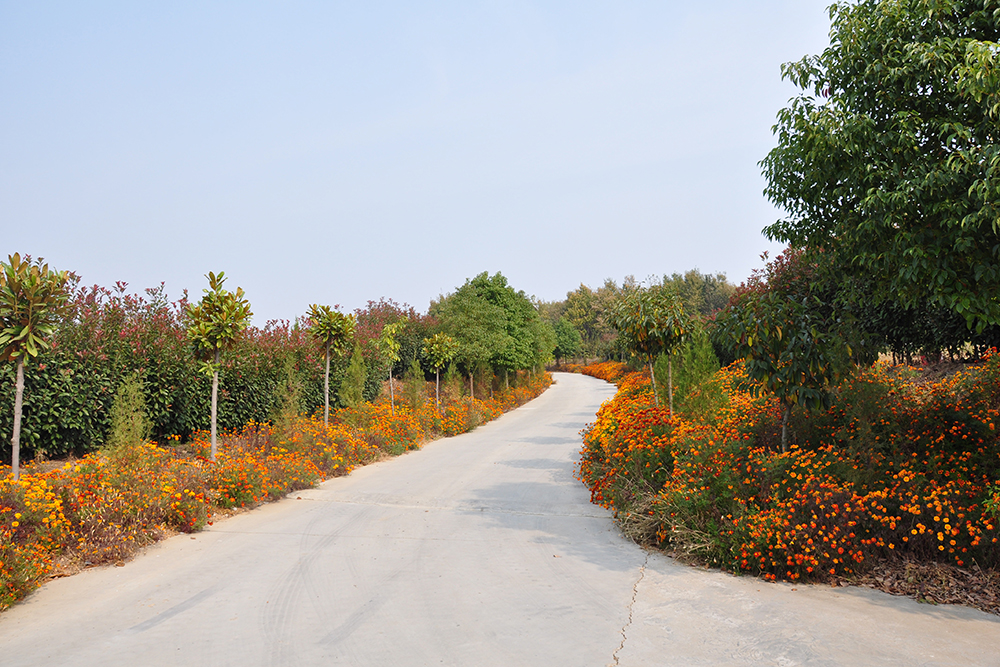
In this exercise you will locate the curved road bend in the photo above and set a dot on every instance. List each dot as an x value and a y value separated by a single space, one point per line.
476 550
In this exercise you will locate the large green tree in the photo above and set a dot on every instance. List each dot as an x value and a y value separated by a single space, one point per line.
495 326
478 326
33 298
568 340
213 325
889 158
527 340
589 310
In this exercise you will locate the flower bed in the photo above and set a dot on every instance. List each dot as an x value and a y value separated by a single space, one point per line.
897 469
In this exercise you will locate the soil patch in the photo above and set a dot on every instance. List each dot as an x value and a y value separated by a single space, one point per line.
935 583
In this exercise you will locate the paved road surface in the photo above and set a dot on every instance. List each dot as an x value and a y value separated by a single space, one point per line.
476 550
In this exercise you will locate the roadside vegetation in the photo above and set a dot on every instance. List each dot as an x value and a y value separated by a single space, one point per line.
142 417
832 418
897 469
852 433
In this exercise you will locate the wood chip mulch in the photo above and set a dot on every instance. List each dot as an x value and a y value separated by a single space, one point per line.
936 583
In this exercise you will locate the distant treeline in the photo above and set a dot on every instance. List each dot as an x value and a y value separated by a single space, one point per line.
588 311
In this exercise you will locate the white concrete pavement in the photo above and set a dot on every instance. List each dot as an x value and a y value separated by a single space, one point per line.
476 550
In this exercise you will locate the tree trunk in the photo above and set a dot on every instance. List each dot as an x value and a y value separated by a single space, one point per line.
652 376
472 387
392 396
437 389
784 427
670 383
215 401
15 441
326 389
506 382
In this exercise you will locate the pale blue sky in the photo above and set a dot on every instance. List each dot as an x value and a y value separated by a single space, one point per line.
337 152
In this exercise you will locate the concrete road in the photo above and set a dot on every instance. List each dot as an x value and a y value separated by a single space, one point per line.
477 550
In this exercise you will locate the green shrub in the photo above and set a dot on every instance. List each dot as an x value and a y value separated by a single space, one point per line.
352 389
415 385
129 424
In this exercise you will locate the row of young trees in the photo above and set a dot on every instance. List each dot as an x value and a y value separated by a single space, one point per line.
203 366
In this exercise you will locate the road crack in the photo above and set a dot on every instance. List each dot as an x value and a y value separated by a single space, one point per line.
631 609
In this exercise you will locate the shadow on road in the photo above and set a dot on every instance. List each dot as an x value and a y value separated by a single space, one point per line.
562 520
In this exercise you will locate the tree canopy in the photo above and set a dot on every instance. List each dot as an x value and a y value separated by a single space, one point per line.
568 339
33 298
589 310
494 325
702 294
889 158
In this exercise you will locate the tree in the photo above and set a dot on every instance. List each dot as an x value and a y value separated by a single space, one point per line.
334 331
589 311
785 325
529 341
439 349
568 340
371 322
213 325
33 298
478 325
651 321
496 327
388 347
543 337
889 159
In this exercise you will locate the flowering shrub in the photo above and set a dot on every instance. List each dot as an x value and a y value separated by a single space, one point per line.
895 467
103 507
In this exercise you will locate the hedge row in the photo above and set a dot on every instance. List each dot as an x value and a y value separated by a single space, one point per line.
110 335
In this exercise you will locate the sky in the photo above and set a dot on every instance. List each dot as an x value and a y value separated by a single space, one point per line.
336 152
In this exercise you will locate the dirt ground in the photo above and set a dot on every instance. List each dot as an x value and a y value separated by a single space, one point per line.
935 583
